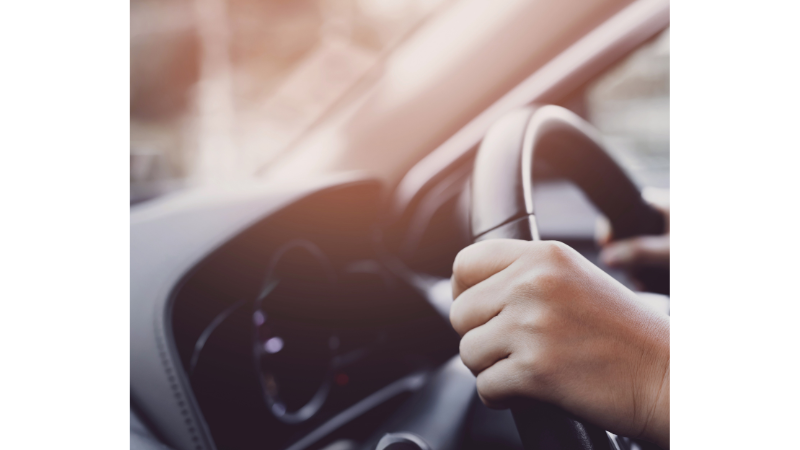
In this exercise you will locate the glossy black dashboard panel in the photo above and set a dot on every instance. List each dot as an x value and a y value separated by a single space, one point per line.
297 319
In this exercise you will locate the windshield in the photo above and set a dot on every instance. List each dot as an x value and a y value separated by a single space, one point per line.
220 88
629 105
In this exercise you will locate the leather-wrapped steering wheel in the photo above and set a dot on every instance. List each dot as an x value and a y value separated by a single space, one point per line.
502 207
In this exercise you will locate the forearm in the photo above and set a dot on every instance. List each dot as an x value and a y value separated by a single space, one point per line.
539 321
657 427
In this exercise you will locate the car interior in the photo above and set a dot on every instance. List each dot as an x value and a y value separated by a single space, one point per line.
306 307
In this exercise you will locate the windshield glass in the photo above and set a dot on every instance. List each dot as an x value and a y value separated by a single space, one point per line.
629 104
221 87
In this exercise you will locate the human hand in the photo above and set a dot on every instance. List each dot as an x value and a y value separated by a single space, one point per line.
641 250
540 321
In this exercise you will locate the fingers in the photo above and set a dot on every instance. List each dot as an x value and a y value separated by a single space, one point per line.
602 230
490 275
657 198
478 305
525 373
483 346
643 250
500 383
484 259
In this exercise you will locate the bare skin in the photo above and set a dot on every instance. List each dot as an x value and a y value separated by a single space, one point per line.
637 251
540 321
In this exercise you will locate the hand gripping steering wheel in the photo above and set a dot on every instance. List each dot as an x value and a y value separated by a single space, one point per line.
502 207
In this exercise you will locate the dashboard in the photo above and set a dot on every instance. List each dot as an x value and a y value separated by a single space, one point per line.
296 317
302 317
316 322
298 322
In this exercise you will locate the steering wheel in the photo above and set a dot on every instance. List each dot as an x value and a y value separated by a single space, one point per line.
503 182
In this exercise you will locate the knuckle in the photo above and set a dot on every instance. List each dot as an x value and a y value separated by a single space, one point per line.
548 281
466 349
554 261
468 254
520 288
489 389
522 285
458 264
558 252
457 317
527 362
535 327
527 319
546 318
527 322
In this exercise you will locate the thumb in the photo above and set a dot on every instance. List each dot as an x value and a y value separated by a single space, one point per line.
643 250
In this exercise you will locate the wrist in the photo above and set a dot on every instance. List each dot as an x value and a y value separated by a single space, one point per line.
659 431
656 428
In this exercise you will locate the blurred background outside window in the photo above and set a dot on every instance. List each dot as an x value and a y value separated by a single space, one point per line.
220 87
629 104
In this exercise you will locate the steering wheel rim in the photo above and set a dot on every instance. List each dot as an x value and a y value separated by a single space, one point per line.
524 138
502 207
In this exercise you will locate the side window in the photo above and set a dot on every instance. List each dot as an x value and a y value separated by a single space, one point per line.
629 104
